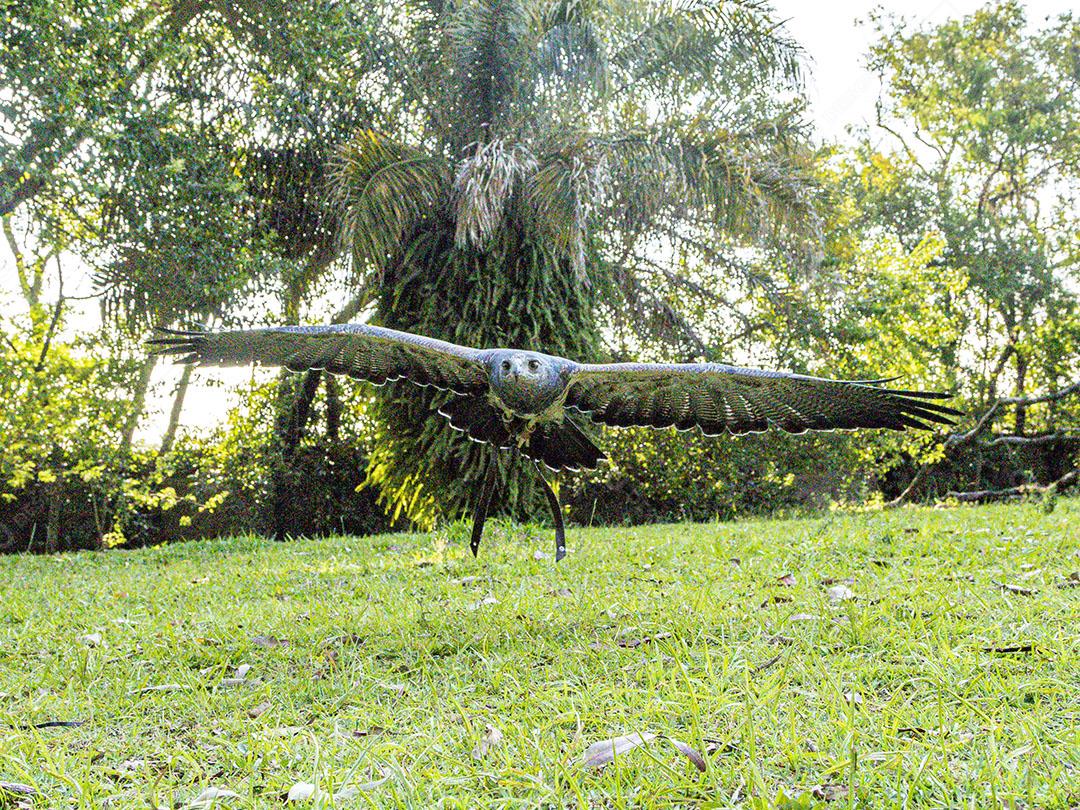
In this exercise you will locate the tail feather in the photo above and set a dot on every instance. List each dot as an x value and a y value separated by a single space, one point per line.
563 446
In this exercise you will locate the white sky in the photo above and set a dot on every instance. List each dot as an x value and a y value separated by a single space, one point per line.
841 93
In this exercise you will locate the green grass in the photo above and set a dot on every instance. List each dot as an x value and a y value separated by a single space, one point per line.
401 649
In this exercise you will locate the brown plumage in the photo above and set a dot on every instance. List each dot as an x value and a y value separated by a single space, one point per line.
530 401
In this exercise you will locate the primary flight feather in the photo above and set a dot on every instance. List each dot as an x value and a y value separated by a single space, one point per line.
527 400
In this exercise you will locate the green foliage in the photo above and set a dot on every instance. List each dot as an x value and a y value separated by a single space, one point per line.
662 476
539 150
65 406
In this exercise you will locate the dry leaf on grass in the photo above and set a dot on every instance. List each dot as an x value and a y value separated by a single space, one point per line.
764 665
269 642
1019 590
604 752
255 712
491 738
829 793
853 697
368 732
237 680
164 687
631 643
777 599
16 789
487 600
209 797
840 593
1011 648
787 580
691 754
91 639
303 791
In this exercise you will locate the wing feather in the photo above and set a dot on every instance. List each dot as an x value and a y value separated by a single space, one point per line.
715 398
360 351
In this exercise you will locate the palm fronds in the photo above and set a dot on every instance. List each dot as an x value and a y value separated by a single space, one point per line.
382 189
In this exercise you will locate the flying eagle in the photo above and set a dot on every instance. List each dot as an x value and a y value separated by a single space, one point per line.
531 402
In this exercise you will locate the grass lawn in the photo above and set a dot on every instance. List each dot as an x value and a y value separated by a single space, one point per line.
945 673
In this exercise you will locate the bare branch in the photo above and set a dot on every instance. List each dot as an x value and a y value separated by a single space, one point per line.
983 495
961 439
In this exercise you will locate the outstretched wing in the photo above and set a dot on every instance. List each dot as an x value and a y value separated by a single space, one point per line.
364 352
718 398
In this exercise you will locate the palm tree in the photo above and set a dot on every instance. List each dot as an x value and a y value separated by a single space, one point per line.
544 152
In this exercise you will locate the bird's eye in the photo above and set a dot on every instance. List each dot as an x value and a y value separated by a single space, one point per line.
505 365
534 365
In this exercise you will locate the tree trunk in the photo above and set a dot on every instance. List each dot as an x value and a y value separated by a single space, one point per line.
52 521
138 403
177 406
1021 381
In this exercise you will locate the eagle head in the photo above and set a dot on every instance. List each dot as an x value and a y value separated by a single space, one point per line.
526 382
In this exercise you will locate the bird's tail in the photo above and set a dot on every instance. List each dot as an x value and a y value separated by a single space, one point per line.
563 446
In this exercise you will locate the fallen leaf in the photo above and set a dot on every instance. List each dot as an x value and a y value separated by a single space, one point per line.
347 640
17 789
840 593
1011 648
1017 589
487 600
396 688
209 797
631 643
491 738
776 599
787 580
829 793
838 581
91 639
764 665
239 679
368 732
164 687
301 791
604 752
286 731
853 698
256 712
57 724
690 753
269 642
719 746
912 731
352 791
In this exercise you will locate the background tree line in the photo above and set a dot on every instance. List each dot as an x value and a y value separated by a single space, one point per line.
601 178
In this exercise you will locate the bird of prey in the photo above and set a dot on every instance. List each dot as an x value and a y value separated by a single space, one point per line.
534 403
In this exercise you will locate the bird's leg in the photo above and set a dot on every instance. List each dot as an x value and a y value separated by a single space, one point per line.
556 513
480 515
